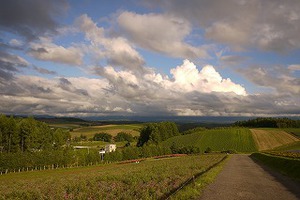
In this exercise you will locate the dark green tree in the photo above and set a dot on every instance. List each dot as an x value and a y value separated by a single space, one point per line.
105 137
156 132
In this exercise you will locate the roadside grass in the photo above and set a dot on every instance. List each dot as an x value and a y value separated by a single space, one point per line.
195 189
287 166
239 139
145 180
90 131
269 138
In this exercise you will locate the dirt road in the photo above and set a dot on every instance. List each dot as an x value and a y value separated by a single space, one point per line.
242 178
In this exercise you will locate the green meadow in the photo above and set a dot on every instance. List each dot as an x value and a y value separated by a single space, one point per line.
222 139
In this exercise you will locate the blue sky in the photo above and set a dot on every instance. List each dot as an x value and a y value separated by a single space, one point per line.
150 58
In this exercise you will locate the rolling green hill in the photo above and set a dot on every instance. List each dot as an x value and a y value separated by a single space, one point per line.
239 139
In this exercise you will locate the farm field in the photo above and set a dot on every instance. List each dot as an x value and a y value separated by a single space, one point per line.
150 179
239 139
294 131
295 146
271 138
65 125
89 131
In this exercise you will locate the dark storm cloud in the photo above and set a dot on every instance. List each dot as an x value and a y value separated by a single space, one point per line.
5 75
38 50
65 84
30 18
5 46
9 65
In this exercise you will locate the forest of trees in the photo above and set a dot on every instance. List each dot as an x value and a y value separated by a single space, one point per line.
105 137
153 133
28 144
27 134
269 123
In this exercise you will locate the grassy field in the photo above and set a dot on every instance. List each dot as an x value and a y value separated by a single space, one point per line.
150 179
67 126
110 129
271 138
238 139
287 166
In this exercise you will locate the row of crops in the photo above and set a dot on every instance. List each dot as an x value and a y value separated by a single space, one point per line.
150 179
239 139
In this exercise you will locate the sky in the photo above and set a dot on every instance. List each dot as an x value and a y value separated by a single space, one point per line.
150 58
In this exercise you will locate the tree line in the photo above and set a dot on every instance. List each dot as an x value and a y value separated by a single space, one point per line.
28 144
121 136
153 133
28 134
269 122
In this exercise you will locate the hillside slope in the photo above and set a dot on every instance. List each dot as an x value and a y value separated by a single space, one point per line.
271 138
239 139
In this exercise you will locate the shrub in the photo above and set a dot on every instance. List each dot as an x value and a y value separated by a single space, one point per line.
102 137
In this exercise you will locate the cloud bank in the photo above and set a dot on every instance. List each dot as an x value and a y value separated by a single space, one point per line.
107 67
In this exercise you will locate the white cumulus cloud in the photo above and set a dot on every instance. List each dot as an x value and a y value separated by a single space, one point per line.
189 78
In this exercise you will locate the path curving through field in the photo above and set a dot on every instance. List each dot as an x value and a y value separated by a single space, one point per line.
243 179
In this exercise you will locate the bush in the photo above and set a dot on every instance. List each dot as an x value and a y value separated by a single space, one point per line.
105 137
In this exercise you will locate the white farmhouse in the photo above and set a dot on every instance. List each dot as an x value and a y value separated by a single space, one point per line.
110 148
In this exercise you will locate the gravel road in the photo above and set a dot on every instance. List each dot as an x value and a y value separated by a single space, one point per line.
242 178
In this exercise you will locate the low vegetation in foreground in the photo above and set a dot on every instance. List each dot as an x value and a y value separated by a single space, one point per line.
281 162
150 179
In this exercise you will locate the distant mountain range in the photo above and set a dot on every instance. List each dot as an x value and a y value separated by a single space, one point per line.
129 119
